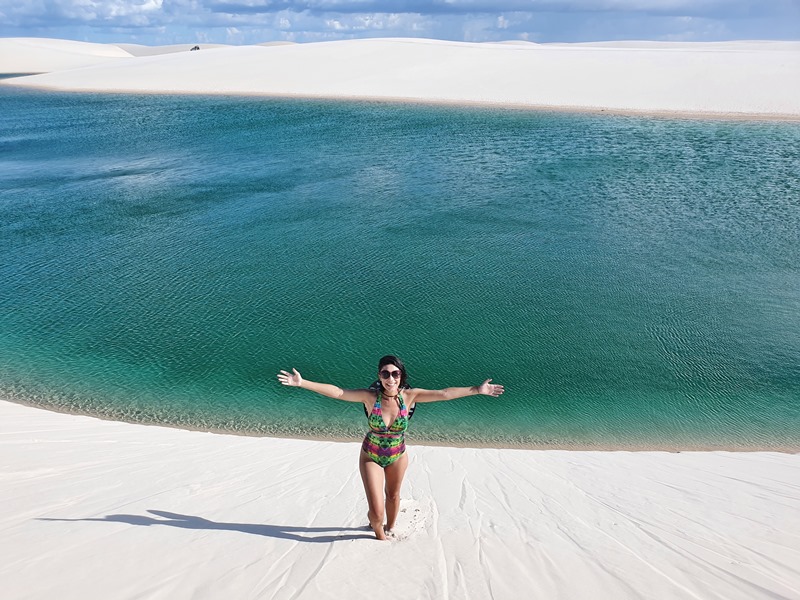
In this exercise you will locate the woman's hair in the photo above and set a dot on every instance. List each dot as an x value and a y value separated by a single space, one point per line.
390 359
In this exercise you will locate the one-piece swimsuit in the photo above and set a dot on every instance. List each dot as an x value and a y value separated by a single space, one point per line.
383 444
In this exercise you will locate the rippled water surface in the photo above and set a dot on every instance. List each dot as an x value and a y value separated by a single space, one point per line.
633 282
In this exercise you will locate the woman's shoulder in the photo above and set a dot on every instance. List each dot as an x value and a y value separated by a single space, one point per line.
409 395
409 391
373 393
371 399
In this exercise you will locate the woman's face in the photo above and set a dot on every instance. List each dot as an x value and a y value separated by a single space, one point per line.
390 378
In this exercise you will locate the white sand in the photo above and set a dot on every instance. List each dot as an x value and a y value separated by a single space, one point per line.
140 50
729 78
98 509
41 55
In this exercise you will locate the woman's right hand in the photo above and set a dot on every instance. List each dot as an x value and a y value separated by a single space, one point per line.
293 379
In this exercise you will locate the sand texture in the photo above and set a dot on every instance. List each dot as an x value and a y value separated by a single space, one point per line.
99 509
730 78
41 55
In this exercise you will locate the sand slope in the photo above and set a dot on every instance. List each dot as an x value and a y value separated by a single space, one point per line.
96 509
41 55
140 50
745 78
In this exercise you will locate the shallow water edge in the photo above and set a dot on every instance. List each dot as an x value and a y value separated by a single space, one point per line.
678 115
414 440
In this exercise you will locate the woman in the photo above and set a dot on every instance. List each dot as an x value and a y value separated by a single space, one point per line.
388 405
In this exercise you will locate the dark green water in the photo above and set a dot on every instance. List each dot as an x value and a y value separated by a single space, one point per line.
633 282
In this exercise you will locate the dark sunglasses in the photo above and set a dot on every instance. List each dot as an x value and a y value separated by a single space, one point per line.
385 374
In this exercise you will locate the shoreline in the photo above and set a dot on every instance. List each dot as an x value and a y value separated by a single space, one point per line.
677 115
425 442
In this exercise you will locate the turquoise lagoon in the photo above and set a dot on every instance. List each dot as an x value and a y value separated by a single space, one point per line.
633 282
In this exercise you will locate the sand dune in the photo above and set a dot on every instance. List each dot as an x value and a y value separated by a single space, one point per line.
140 50
734 78
98 509
41 55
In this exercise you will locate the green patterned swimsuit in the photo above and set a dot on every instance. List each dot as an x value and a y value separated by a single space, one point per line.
383 444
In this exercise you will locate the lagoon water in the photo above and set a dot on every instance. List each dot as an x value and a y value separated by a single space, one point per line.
633 282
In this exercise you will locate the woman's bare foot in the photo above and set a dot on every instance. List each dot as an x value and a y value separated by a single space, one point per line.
377 527
379 532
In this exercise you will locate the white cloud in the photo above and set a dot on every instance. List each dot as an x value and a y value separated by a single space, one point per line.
375 24
249 21
89 10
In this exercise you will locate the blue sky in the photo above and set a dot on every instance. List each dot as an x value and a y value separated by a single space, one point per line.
252 21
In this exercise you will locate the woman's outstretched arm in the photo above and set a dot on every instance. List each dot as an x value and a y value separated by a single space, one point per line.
294 379
487 388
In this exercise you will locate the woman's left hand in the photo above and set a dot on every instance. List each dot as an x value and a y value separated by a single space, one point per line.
487 388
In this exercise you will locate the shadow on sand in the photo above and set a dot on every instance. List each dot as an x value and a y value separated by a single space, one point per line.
298 534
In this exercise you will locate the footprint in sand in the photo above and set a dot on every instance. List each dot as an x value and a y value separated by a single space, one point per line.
414 519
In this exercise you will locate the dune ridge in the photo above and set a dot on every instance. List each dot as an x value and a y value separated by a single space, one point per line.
748 78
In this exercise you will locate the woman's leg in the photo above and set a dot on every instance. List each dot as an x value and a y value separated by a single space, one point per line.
394 480
373 477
